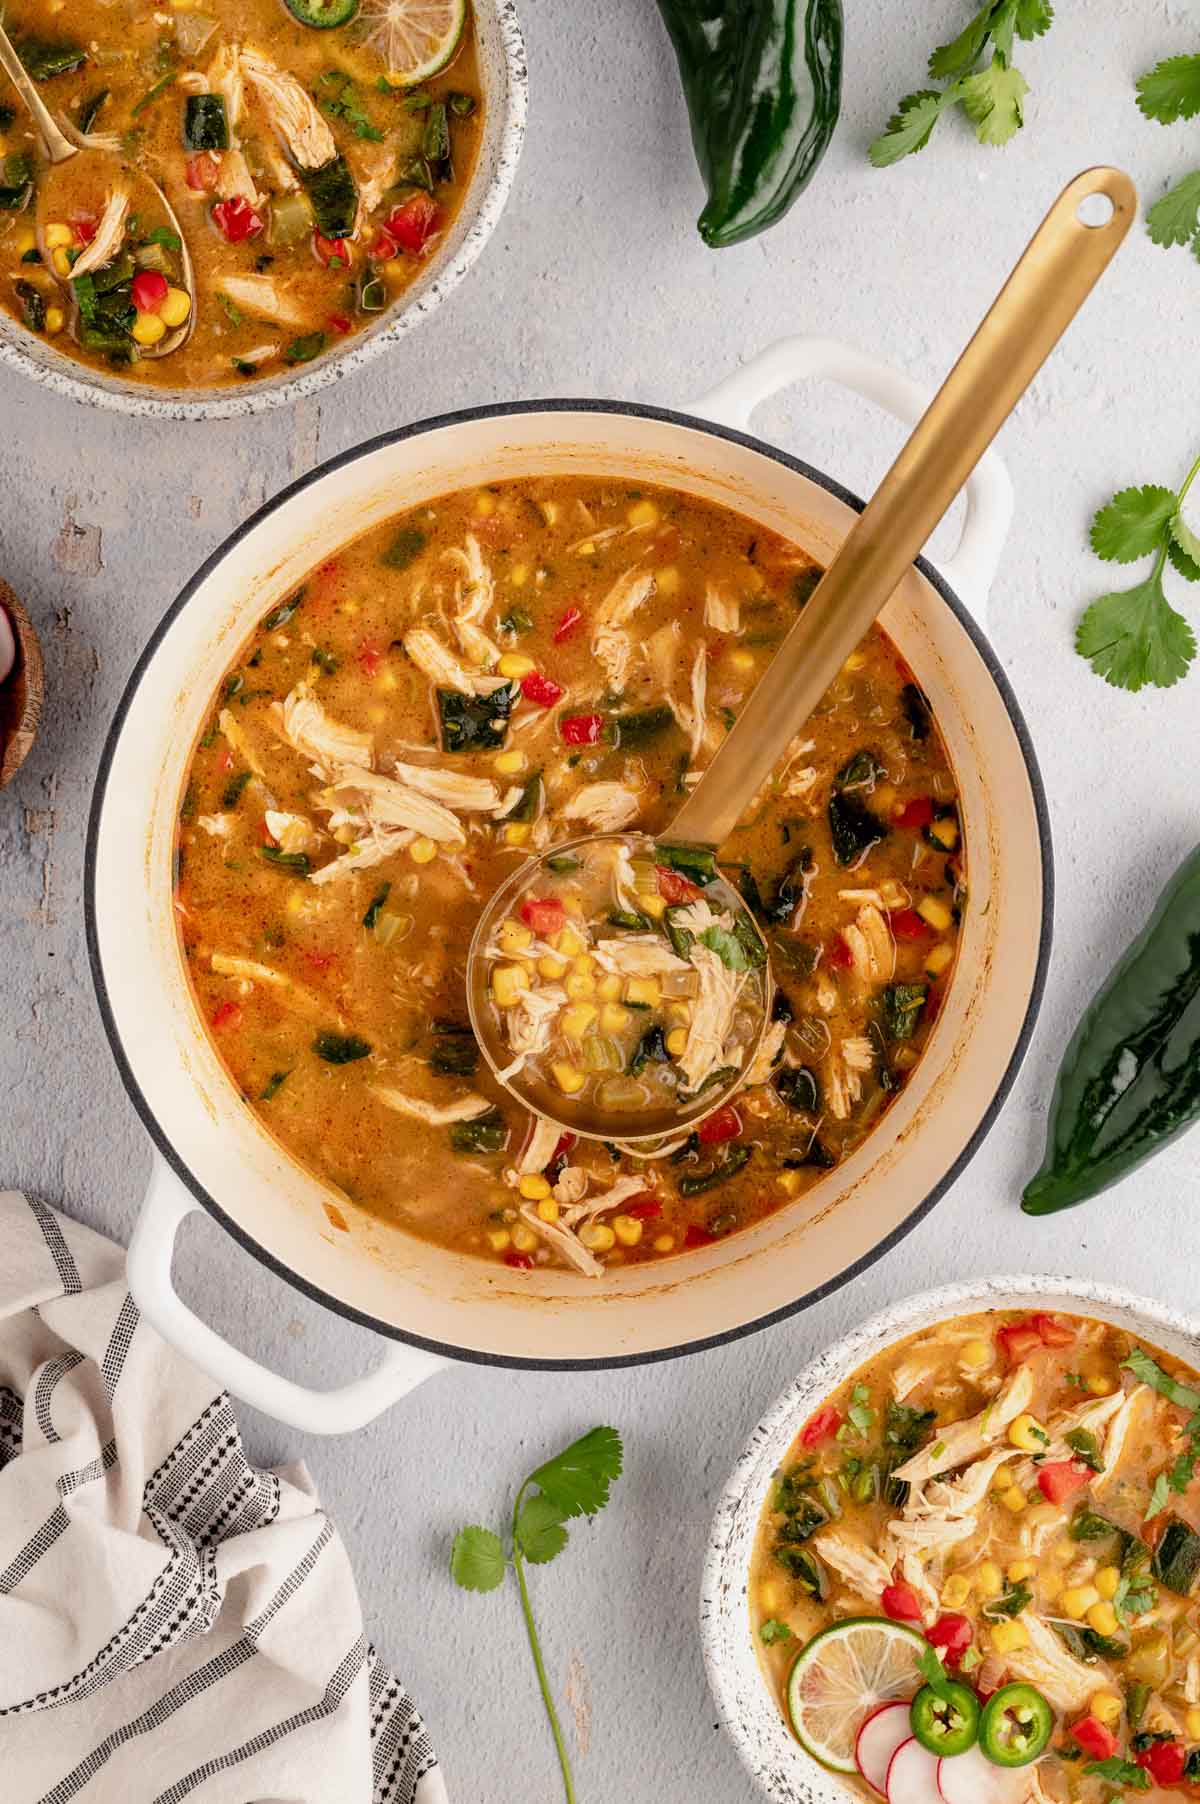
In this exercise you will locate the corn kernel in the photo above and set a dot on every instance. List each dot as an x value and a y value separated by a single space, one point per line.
423 851
523 1238
499 1239
518 576
609 988
945 832
59 236
1027 1433
855 661
515 664
508 982
679 1012
741 659
147 329
938 958
547 1209
584 963
935 913
576 1020
586 550
1100 1386
485 504
26 242
1050 1584
1003 1481
771 1597
61 262
579 986
569 943
654 906
789 1182
642 513
533 1186
1103 1618
628 1229
1107 1580
647 990
386 680
396 271
1007 1637
664 1243
508 763
1021 1569
516 833
976 1353
667 580
989 1580
597 1236
514 936
613 1018
176 308
677 1041
550 967
1015 1500
56 319
569 1078
1191 1723
956 1591
573 905
1077 1600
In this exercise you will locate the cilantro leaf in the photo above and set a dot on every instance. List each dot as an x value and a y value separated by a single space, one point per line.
1120 1772
965 50
1131 526
540 1530
1184 548
1171 90
1172 220
477 1559
727 946
992 101
1159 1497
577 1479
930 1667
1034 18
772 1630
1134 636
910 127
1148 1371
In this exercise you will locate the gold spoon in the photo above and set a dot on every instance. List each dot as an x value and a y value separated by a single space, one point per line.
62 141
1061 264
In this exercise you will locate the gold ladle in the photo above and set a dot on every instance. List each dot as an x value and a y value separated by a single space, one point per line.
1061 264
61 142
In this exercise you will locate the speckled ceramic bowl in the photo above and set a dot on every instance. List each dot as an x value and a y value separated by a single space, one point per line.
505 93
771 1753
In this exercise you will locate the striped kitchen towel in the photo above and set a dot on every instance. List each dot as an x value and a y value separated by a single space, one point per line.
174 1623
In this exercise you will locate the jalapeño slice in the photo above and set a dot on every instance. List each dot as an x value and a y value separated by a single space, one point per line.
945 1721
1015 1726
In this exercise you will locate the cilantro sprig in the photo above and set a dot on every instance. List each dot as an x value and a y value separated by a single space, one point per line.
574 1483
1120 1772
1182 1471
980 76
1167 93
1134 637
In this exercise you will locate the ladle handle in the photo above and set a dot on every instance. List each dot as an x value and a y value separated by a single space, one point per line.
1061 264
58 148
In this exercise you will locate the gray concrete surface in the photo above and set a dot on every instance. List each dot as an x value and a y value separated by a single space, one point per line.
596 284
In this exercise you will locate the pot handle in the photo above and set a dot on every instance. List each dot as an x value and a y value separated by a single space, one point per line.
989 491
339 1411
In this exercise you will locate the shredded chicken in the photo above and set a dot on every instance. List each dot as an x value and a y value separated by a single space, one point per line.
301 128
388 803
476 598
961 1441
572 1250
765 1059
722 612
109 233
602 1201
372 849
860 1568
216 824
610 643
264 298
528 1024
540 1151
291 832
471 795
571 1185
290 993
605 806
712 1016
1046 1663
872 947
434 1114
303 722
1118 1435
638 955
440 665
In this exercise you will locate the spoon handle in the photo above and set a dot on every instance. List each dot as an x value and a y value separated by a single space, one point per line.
1060 266
58 148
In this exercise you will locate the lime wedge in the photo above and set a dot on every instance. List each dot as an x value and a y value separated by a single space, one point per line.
414 38
843 1674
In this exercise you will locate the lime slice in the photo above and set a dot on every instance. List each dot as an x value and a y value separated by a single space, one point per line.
415 38
844 1673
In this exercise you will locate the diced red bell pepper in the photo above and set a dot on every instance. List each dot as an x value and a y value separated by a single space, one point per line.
673 886
953 1635
916 814
225 759
1017 1340
383 249
327 249
339 323
148 290
563 1146
907 924
414 223
84 226
571 618
202 172
644 1207
370 658
1097 1741
582 729
1061 1479
520 1262
229 1014
1164 1761
545 915
697 1236
901 1603
821 1426
237 220
1053 1332
839 954
723 1124
541 690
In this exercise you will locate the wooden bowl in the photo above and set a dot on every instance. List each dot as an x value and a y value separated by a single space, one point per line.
21 692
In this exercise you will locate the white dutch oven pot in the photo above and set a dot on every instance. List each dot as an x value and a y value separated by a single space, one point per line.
214 1153
769 1750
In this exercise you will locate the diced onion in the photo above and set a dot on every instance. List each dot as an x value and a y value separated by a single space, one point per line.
391 927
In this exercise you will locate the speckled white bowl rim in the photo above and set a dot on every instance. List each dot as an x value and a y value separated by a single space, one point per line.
769 1751
504 134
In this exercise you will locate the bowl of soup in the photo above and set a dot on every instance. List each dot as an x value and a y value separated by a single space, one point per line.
957 1558
333 175
463 643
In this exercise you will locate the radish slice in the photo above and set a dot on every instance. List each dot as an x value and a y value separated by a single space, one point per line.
878 1739
8 646
971 1778
912 1774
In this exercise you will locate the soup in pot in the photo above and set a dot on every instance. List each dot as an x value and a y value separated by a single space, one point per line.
491 674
